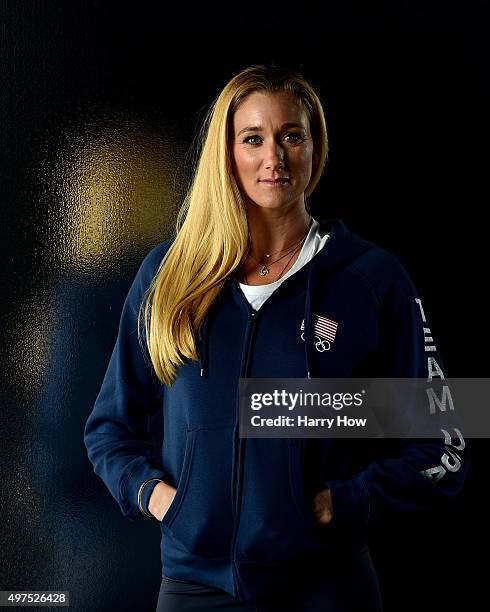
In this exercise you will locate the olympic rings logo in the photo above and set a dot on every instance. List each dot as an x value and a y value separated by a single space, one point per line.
321 344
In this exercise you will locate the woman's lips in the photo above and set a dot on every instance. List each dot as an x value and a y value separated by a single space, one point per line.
278 183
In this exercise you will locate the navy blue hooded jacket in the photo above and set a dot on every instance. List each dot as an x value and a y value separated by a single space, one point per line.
242 516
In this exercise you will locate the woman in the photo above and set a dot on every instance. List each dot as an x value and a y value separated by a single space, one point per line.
253 286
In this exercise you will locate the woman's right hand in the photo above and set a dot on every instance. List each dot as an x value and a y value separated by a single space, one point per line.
160 499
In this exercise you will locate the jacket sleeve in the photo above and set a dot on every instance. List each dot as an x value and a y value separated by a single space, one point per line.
117 435
416 474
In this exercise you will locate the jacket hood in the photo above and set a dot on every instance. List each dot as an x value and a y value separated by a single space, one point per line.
340 250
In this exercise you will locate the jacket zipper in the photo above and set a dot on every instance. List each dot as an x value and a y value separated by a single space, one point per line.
252 317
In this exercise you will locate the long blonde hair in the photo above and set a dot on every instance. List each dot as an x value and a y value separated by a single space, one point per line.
211 236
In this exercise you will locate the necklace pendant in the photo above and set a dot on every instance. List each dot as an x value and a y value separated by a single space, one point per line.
264 271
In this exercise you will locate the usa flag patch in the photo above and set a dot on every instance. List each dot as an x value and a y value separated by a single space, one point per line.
323 327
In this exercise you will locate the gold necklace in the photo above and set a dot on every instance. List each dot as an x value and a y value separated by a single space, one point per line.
265 267
282 272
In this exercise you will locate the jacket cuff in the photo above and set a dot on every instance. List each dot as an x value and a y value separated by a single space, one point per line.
350 503
142 471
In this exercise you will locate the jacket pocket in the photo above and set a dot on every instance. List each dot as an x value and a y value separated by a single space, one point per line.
181 487
275 522
303 498
200 515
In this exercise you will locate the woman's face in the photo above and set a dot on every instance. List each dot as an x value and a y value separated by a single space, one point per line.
272 140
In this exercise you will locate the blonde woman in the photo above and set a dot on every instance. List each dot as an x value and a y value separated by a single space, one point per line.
252 285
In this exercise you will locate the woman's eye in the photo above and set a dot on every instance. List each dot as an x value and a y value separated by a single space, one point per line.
295 138
247 139
298 137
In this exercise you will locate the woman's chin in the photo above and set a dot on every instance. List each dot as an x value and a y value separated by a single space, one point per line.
272 202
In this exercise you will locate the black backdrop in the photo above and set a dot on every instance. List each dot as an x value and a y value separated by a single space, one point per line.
99 105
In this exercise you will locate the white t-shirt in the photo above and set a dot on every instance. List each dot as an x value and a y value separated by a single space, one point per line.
314 242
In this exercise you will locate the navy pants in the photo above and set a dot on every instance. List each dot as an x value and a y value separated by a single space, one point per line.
352 587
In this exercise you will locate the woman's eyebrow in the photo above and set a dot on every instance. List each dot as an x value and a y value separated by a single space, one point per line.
258 128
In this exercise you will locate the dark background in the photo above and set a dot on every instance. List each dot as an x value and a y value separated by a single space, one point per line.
99 103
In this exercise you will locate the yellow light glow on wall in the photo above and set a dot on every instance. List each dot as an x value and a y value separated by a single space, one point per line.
118 187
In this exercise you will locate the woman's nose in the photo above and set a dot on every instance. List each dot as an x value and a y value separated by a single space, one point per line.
274 156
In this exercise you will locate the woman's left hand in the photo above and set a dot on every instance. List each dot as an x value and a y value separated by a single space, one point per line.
322 507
